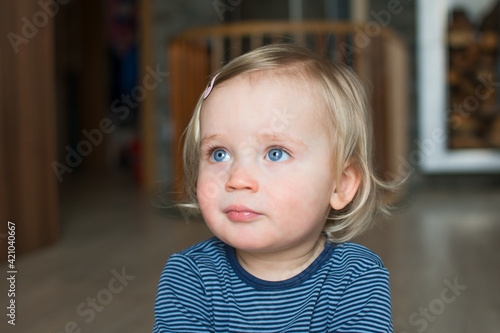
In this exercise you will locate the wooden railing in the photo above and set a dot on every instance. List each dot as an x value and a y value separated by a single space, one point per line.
378 56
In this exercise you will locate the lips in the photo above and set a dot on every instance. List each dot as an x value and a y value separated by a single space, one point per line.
239 213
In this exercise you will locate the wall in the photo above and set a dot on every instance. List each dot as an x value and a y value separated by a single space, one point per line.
28 188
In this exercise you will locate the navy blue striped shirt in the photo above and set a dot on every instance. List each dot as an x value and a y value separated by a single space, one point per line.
204 289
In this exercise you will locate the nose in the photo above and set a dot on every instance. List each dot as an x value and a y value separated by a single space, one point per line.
241 177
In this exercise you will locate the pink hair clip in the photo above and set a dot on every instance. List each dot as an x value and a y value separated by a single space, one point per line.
209 87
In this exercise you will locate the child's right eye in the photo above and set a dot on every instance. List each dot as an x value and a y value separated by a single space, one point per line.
220 155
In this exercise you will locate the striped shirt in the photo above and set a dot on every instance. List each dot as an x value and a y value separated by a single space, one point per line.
205 289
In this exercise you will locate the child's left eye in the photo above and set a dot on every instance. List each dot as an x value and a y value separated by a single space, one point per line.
277 155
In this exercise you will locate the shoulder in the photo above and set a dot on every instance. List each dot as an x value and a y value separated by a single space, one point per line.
362 299
207 254
209 247
354 260
355 253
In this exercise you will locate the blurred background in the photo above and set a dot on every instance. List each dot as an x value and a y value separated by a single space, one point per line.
94 96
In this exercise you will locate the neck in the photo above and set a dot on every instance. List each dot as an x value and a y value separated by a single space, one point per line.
282 265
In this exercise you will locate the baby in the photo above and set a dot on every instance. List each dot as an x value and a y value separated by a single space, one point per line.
277 159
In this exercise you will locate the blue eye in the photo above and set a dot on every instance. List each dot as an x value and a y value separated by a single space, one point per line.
220 155
277 155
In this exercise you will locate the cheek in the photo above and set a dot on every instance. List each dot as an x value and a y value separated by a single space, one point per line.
206 192
303 191
209 187
289 190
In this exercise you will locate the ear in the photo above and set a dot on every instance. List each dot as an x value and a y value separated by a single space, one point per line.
346 189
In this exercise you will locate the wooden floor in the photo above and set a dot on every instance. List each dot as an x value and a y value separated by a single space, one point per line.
442 250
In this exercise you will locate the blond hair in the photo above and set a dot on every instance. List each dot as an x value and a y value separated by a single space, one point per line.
345 101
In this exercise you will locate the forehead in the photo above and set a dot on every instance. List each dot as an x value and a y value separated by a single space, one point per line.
276 101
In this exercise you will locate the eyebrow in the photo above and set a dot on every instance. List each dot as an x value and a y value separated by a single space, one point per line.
209 138
282 138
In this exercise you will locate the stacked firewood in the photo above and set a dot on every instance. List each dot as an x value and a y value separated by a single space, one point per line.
473 78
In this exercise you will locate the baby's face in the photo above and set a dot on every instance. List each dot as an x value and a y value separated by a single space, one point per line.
265 178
